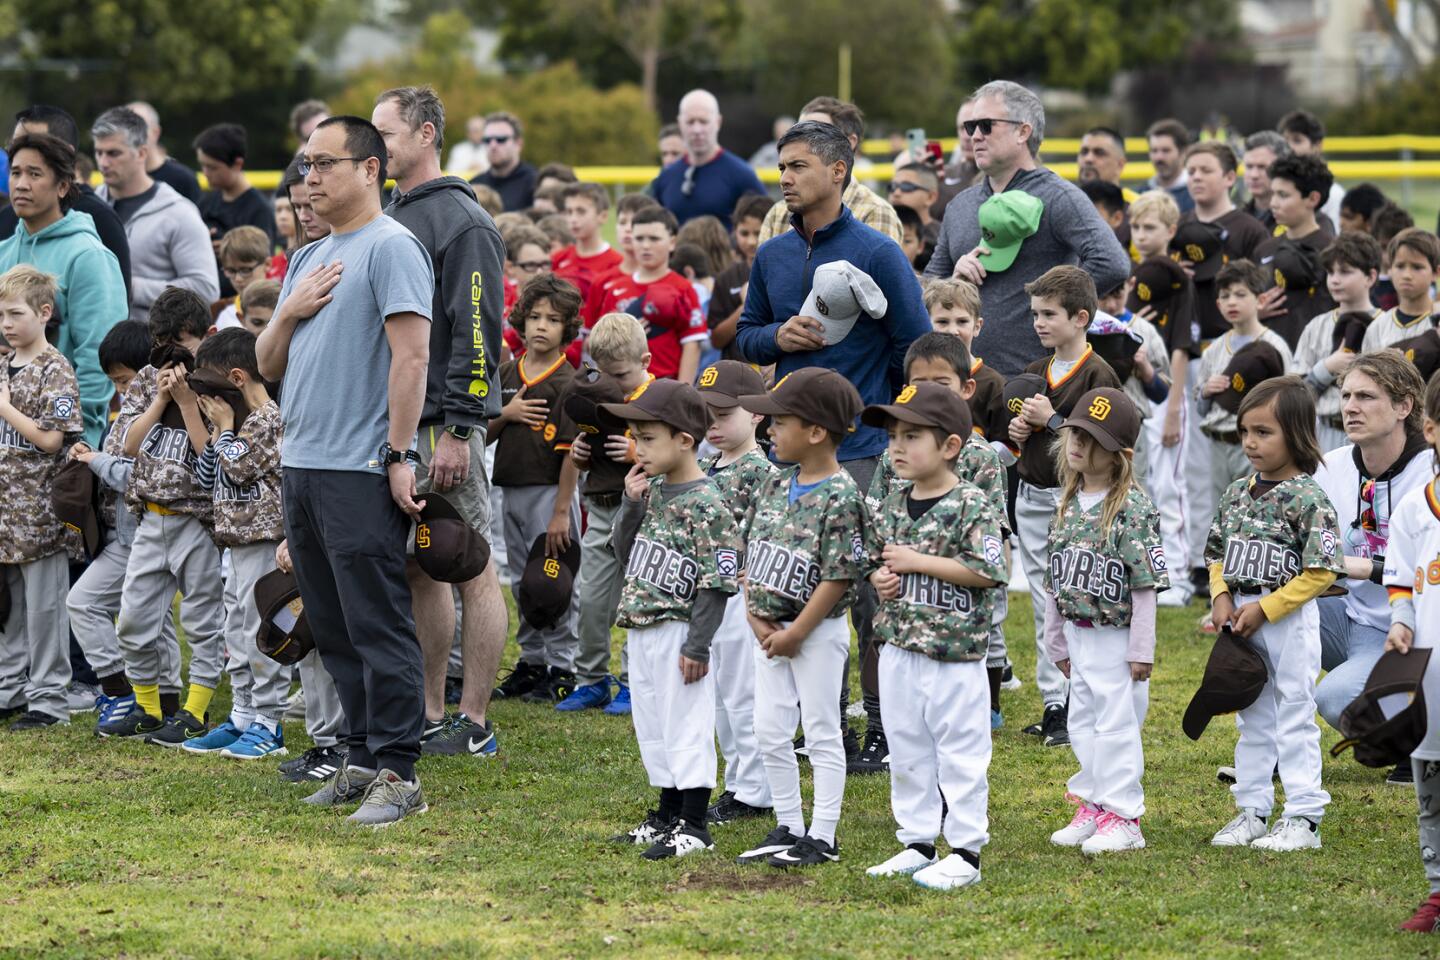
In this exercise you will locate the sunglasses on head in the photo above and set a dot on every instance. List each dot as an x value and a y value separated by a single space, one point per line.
984 125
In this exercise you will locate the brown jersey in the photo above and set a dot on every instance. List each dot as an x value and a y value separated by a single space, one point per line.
1037 456
532 456
46 391
987 403
1243 236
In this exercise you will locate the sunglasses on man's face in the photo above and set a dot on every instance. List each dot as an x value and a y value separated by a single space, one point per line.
984 125
904 186
496 140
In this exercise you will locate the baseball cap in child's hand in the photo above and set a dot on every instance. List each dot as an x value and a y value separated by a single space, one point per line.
925 405
1423 351
1234 677
1203 244
1020 388
543 594
1253 363
1006 221
814 394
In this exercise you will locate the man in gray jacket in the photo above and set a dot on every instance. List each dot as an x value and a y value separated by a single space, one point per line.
461 394
169 243
1006 127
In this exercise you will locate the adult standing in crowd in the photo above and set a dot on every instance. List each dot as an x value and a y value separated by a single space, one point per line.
1383 399
55 238
509 175
41 119
1102 157
1167 140
351 338
169 245
305 116
158 163
460 396
1007 129
864 204
711 180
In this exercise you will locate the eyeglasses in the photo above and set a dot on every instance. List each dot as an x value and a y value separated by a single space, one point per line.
904 186
984 125
495 139
532 266
325 164
241 270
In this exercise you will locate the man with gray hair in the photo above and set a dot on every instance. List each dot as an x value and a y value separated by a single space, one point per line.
711 180
159 164
169 243
460 397
1261 150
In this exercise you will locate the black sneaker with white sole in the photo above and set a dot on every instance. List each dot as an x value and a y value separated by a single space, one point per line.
776 841
315 765
461 736
874 756
652 829
807 852
1402 776
1054 728
182 727
727 808
681 840
432 729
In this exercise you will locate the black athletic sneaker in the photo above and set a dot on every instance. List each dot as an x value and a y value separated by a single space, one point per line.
7 712
652 829
136 724
1054 728
807 852
727 808
462 736
433 728
1402 776
851 744
519 682
874 756
556 685
178 729
315 765
800 749
681 840
34 720
775 841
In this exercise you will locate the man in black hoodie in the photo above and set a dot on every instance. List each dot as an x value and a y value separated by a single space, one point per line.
461 394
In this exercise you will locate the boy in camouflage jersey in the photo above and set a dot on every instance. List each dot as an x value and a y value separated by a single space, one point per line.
680 550
1273 548
806 549
39 409
739 470
241 466
164 433
936 557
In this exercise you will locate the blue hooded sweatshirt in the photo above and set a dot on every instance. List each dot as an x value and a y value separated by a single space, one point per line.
872 355
91 300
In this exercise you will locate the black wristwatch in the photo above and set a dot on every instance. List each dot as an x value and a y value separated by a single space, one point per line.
1054 423
389 455
460 431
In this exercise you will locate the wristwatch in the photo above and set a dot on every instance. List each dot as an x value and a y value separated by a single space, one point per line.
1054 423
460 431
389 455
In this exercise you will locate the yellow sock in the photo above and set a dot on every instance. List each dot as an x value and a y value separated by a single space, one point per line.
148 698
197 701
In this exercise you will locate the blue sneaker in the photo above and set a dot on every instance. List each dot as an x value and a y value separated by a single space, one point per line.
257 742
997 719
620 706
587 696
114 709
217 739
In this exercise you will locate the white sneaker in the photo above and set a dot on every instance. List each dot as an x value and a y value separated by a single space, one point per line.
1244 830
1290 833
1082 827
1172 598
1114 834
1225 774
904 863
949 874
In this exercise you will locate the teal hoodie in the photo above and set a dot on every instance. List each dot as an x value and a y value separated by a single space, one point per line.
91 301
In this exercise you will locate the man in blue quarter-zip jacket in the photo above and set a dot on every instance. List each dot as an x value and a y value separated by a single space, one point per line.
815 162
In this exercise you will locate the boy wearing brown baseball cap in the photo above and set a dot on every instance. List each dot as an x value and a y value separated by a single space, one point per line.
805 552
680 549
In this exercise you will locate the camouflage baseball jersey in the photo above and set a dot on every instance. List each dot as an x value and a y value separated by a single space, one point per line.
978 465
931 616
242 470
1263 542
1092 573
739 483
686 544
46 391
165 466
793 547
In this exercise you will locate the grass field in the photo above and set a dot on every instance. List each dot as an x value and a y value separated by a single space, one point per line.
125 850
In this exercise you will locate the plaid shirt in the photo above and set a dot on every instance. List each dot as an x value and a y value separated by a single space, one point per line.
865 205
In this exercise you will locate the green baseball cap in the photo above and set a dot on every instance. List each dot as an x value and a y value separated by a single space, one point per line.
1006 219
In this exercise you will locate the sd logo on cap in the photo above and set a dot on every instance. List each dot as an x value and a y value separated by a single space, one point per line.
446 547
547 584
284 632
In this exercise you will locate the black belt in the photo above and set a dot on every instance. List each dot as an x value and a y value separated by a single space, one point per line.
605 499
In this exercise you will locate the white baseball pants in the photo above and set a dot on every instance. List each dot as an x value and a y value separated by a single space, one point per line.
674 720
1107 709
732 664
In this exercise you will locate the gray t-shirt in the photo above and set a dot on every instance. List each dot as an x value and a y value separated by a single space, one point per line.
335 401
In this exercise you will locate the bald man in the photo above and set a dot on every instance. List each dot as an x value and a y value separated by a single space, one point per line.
711 179
160 165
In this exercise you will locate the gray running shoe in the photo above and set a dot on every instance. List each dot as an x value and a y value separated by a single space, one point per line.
389 800
345 785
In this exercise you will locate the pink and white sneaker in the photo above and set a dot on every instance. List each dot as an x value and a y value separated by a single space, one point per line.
1112 834
1082 827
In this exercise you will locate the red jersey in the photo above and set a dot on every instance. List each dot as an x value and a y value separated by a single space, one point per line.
669 308
567 264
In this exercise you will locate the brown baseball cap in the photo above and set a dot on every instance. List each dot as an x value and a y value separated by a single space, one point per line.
284 634
1423 351
447 548
1253 363
212 383
814 394
1234 676
670 402
72 497
1020 388
1387 720
1108 415
724 382
926 405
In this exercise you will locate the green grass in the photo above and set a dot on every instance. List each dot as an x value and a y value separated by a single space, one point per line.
124 850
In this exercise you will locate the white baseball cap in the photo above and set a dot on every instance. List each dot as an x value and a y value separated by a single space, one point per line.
839 293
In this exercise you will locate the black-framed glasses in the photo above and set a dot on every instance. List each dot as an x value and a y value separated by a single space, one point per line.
904 186
504 139
325 164
985 125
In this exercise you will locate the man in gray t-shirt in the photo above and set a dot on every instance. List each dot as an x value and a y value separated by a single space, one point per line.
351 337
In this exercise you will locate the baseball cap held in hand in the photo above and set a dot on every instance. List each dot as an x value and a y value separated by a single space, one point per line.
1387 721
284 632
447 548
547 584
814 394
1006 220
839 293
1234 677
72 496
